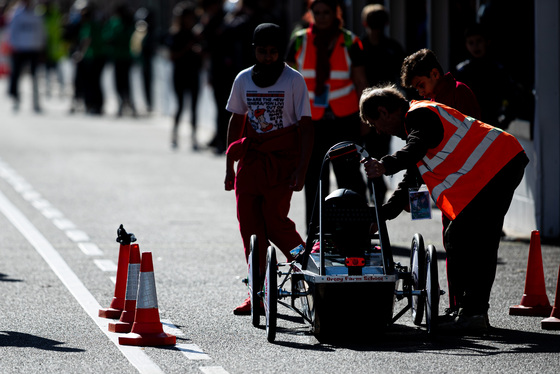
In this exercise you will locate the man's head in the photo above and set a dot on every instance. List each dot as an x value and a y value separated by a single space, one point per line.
476 40
422 71
383 108
268 43
375 17
326 13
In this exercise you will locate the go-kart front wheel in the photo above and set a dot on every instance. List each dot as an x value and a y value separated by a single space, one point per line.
418 275
432 290
254 283
271 294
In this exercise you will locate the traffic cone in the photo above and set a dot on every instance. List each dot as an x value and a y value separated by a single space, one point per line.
553 322
124 324
534 301
117 304
147 329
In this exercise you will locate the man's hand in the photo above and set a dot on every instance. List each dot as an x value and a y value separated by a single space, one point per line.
373 167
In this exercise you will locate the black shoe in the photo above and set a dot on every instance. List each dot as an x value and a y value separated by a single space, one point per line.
465 325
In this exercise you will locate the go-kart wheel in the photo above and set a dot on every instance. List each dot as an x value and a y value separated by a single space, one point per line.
271 294
432 290
254 281
418 275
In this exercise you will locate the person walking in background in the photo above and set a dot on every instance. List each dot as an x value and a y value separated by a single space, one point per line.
27 38
143 46
270 134
383 60
117 34
90 56
423 72
56 48
471 170
331 60
496 91
185 53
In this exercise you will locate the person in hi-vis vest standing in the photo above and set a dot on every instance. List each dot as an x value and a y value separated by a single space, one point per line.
471 170
331 60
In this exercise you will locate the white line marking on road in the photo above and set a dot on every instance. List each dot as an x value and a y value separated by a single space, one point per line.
192 351
106 265
135 355
77 235
64 224
213 370
90 249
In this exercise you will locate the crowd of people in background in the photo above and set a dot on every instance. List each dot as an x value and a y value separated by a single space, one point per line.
206 36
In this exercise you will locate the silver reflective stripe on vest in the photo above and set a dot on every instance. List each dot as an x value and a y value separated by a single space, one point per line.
132 281
336 94
462 129
147 298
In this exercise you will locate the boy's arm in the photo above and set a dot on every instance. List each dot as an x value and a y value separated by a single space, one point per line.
305 146
234 133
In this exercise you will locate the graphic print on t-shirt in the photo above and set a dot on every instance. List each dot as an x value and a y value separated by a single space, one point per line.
265 110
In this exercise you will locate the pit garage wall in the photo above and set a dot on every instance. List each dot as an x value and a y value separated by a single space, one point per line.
547 119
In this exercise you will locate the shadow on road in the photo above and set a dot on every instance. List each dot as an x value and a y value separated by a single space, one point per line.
23 340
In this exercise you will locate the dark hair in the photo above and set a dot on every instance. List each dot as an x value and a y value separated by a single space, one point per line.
375 16
476 29
419 64
387 96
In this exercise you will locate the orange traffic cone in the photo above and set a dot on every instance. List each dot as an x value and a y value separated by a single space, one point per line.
124 324
117 304
147 329
553 322
534 301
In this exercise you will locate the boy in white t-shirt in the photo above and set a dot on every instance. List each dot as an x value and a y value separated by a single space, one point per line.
270 134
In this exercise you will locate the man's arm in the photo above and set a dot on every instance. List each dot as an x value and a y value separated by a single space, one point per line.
306 146
234 133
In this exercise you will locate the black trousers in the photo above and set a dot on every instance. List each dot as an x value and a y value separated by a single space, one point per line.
472 239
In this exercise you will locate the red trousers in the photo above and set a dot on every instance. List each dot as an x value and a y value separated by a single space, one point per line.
262 209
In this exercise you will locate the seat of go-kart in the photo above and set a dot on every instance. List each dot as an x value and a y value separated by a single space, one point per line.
347 221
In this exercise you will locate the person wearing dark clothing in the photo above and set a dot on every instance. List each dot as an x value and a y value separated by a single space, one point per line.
495 90
186 58
383 59
471 170
423 72
117 34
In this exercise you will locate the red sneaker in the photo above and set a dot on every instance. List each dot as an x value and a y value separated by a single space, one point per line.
244 309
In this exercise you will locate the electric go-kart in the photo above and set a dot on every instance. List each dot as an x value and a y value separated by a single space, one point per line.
345 274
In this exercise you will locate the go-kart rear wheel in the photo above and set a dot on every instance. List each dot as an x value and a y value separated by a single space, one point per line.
254 283
432 290
271 294
418 275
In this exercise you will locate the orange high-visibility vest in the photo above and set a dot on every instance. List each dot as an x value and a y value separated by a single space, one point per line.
343 99
469 156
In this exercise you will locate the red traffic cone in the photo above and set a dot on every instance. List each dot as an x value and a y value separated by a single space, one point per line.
117 304
553 322
534 301
124 324
147 329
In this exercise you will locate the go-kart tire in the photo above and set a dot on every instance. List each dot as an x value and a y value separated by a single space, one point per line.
418 275
432 290
254 283
271 294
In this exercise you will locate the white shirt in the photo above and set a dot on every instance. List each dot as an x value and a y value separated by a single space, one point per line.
274 107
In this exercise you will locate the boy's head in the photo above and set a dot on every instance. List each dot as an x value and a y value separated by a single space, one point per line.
268 43
476 40
375 17
422 71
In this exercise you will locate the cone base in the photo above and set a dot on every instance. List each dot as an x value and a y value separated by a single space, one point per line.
534 311
111 313
551 323
120 327
148 340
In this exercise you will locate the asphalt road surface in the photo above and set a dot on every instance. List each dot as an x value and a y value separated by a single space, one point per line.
68 181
